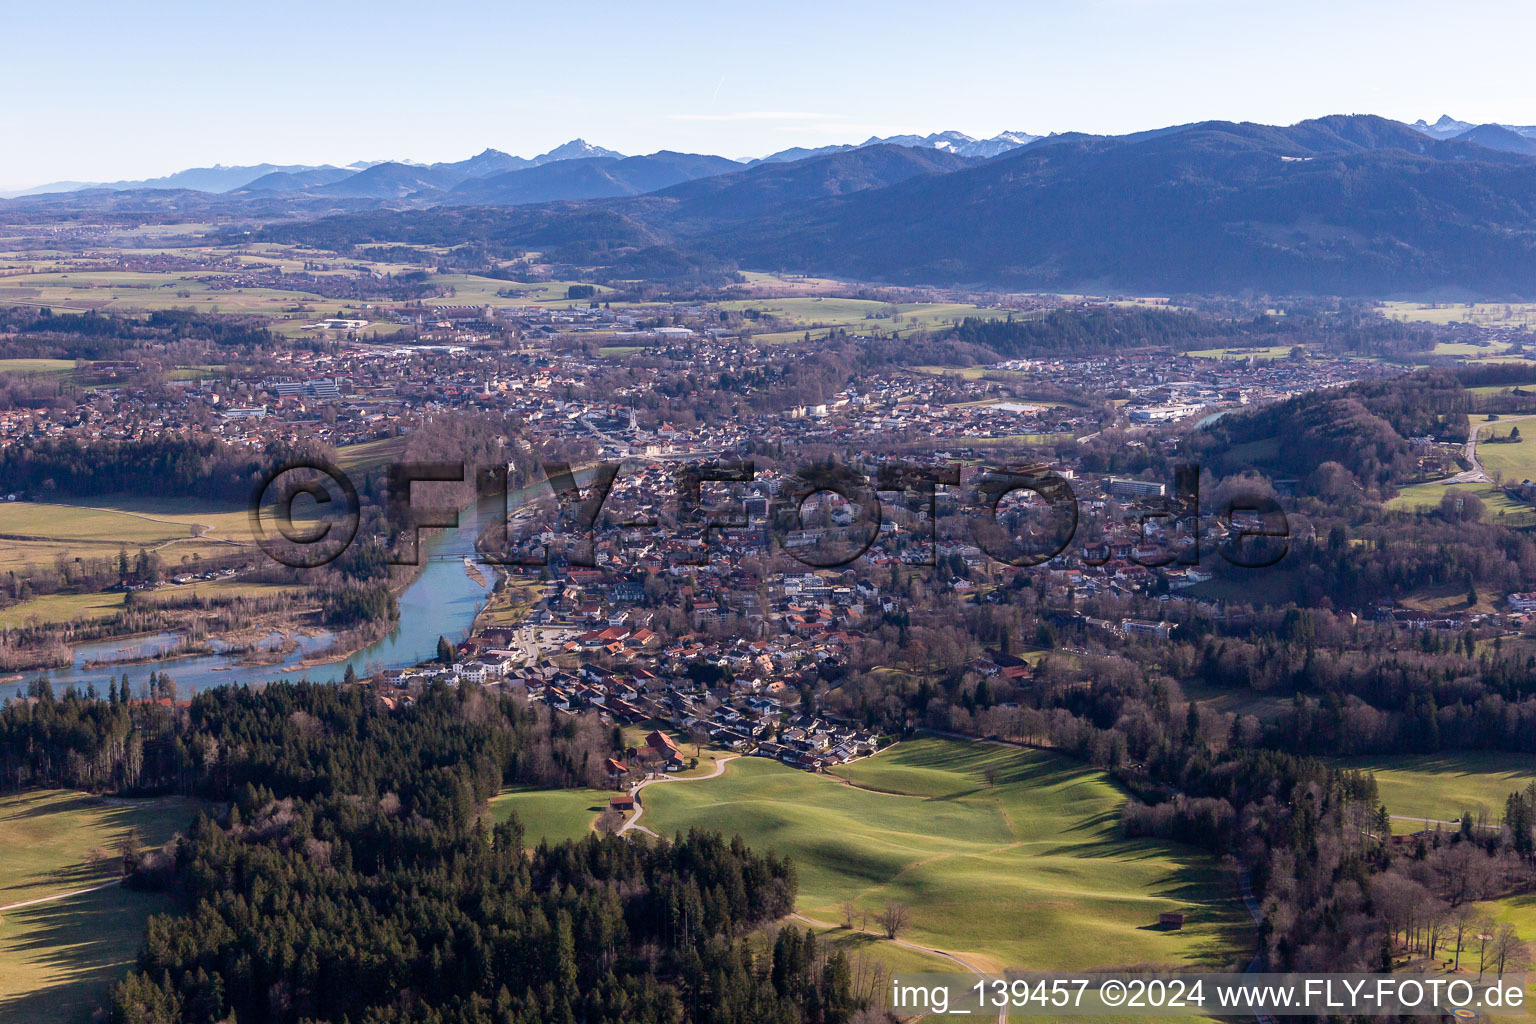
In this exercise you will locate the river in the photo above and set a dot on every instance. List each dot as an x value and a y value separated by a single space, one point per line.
442 601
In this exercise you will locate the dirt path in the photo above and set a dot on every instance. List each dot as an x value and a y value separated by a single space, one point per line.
1426 822
206 527
953 958
903 943
200 531
61 896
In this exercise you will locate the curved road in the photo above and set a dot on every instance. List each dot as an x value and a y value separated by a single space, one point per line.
634 793
904 944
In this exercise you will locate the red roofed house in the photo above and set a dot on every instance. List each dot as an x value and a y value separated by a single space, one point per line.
661 745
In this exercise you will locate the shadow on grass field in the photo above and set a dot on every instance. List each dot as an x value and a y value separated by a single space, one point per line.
47 836
1006 856
58 959
1442 786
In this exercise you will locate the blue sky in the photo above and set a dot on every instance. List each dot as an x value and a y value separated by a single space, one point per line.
101 91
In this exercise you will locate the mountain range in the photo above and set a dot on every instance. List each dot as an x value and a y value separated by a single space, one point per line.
957 143
1342 205
1351 205
1449 128
396 179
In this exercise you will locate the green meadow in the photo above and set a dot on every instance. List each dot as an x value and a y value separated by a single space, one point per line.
1486 314
370 454
126 291
53 368
1269 352
1520 911
42 533
820 313
1427 498
1513 461
1026 867
551 814
1442 786
58 958
72 607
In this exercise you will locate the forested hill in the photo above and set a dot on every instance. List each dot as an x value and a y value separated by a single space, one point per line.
354 879
1363 428
1343 205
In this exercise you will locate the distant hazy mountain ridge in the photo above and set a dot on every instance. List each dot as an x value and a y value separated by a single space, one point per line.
395 182
1342 205
1508 137
403 178
957 143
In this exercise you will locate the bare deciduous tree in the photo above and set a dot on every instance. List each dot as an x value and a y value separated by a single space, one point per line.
893 919
1482 929
1462 921
1504 947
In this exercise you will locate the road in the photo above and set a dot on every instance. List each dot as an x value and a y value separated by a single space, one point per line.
634 822
1427 822
1476 475
527 645
1257 964
61 895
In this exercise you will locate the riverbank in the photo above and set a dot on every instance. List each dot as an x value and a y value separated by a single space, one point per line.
437 598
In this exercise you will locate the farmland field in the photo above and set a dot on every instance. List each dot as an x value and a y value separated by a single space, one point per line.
1486 314
1520 911
123 291
1427 497
38 367
963 372
145 518
1513 461
559 815
822 313
1441 786
370 454
40 533
58 958
1029 871
72 289
1270 352
67 607
470 289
